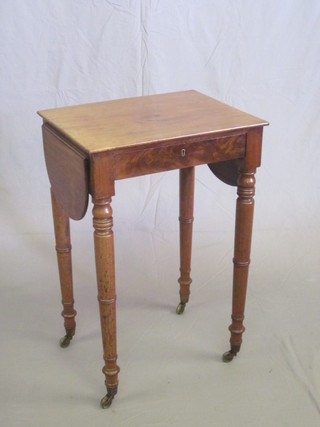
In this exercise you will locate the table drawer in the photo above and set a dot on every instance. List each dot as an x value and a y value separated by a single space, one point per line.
180 155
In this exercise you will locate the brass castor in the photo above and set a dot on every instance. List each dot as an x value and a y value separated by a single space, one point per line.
180 308
65 341
107 400
228 356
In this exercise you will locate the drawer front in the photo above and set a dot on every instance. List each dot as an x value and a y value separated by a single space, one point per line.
181 155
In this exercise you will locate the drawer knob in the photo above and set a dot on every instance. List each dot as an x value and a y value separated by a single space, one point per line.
183 152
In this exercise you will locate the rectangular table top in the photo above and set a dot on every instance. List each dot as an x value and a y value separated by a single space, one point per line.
103 126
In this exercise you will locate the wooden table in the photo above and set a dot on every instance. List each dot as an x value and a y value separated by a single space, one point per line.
88 147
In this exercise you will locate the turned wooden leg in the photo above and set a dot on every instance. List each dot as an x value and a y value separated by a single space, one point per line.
63 248
186 221
241 260
104 254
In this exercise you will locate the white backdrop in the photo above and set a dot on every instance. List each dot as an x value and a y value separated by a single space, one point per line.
260 56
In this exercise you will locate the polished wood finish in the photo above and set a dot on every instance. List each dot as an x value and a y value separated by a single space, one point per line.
66 164
165 118
241 260
104 251
227 171
243 234
186 220
89 147
177 156
63 249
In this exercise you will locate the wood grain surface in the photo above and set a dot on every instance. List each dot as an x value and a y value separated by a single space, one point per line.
132 121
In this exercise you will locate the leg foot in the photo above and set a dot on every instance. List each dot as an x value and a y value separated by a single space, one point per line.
106 401
229 355
108 398
180 308
65 341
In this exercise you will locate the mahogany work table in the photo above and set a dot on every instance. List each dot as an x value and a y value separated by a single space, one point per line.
88 147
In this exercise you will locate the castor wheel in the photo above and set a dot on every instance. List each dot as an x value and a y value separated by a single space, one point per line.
106 401
65 341
180 308
228 356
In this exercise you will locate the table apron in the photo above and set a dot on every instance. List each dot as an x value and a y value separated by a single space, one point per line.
135 162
